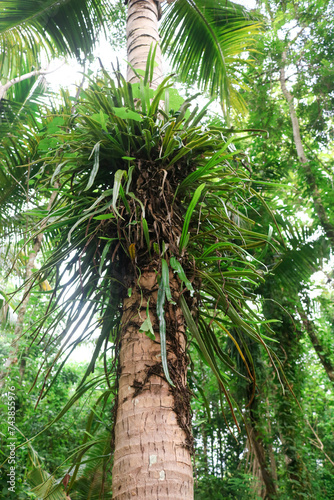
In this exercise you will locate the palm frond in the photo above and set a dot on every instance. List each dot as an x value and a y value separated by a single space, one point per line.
304 254
204 41
19 124
67 27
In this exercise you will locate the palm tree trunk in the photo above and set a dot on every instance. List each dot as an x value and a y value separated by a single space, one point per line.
152 430
141 33
153 442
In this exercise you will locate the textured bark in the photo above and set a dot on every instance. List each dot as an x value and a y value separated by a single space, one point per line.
152 430
152 458
142 32
318 205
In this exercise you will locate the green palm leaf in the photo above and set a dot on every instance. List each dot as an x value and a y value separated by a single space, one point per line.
67 27
20 124
204 40
304 255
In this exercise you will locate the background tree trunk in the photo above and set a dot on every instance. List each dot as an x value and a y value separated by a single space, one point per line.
259 448
320 348
15 350
310 178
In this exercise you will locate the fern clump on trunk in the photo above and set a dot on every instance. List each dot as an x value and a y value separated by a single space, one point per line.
155 241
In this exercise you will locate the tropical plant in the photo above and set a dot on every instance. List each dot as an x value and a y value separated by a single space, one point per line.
151 234
144 245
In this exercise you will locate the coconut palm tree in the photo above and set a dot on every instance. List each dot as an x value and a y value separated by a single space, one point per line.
150 223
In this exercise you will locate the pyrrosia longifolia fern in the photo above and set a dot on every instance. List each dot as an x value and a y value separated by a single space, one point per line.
141 182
